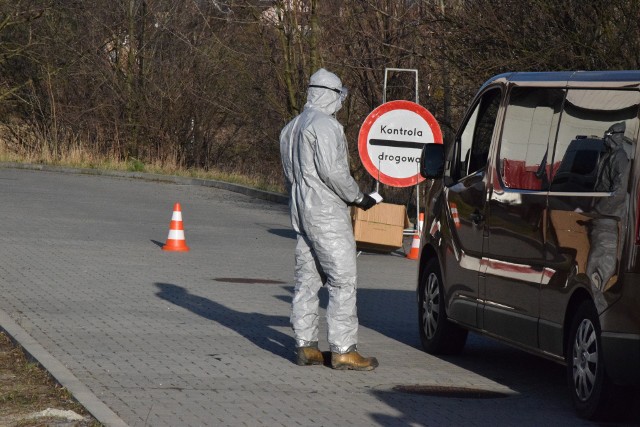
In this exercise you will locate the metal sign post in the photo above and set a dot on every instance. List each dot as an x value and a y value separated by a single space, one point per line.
416 100
400 70
392 137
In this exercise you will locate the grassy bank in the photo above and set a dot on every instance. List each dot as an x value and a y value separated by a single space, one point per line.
77 157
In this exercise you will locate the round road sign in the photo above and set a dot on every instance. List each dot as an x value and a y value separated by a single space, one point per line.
391 140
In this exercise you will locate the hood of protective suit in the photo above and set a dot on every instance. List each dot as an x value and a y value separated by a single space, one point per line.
614 136
323 99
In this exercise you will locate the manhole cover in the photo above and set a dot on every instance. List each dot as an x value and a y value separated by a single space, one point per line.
248 280
444 391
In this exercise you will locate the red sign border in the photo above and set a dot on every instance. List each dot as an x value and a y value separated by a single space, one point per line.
363 139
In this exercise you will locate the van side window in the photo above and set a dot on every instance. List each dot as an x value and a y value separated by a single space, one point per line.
585 143
472 148
530 125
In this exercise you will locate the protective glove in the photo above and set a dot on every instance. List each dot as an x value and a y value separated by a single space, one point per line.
366 203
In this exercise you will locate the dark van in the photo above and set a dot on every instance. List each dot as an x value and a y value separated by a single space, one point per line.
532 228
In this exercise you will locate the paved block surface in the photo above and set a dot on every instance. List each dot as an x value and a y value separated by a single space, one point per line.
203 338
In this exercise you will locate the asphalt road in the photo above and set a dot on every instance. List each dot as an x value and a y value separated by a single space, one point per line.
146 337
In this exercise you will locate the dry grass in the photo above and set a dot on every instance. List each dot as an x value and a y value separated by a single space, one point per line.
25 389
76 155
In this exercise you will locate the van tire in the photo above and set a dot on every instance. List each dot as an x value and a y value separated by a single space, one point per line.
590 388
437 334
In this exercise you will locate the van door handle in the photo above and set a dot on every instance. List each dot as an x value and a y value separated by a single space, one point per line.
476 217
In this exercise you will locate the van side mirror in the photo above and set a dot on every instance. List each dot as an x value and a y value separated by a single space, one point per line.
432 161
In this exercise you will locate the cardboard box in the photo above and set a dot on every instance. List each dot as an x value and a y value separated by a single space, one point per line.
380 228
572 233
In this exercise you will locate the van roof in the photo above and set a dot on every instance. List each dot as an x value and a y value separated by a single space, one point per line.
612 79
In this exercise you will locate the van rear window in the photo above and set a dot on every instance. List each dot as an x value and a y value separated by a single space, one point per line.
555 139
586 152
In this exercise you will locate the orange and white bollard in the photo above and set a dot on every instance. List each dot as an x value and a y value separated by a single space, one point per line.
176 241
454 214
414 253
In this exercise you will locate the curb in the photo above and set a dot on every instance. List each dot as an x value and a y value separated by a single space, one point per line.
236 188
80 392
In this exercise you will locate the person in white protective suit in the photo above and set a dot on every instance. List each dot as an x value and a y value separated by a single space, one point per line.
316 167
612 177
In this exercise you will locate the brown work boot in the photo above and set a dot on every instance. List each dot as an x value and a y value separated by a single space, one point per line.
353 361
306 356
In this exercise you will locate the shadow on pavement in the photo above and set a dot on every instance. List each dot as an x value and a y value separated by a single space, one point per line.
536 383
390 312
283 232
393 313
159 244
256 327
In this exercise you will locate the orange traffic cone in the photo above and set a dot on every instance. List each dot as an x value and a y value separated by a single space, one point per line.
420 222
175 241
414 253
454 214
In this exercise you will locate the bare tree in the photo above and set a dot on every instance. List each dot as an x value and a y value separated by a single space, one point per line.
210 83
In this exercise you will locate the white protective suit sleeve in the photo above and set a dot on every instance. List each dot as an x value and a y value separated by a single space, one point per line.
332 161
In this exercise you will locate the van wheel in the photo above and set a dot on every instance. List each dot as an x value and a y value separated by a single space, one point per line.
437 333
587 379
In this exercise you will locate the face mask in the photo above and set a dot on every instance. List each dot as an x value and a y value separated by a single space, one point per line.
343 91
612 139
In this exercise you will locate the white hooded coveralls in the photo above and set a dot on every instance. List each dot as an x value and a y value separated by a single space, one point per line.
314 155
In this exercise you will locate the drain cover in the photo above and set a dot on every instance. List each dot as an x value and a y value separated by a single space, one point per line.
248 280
444 391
